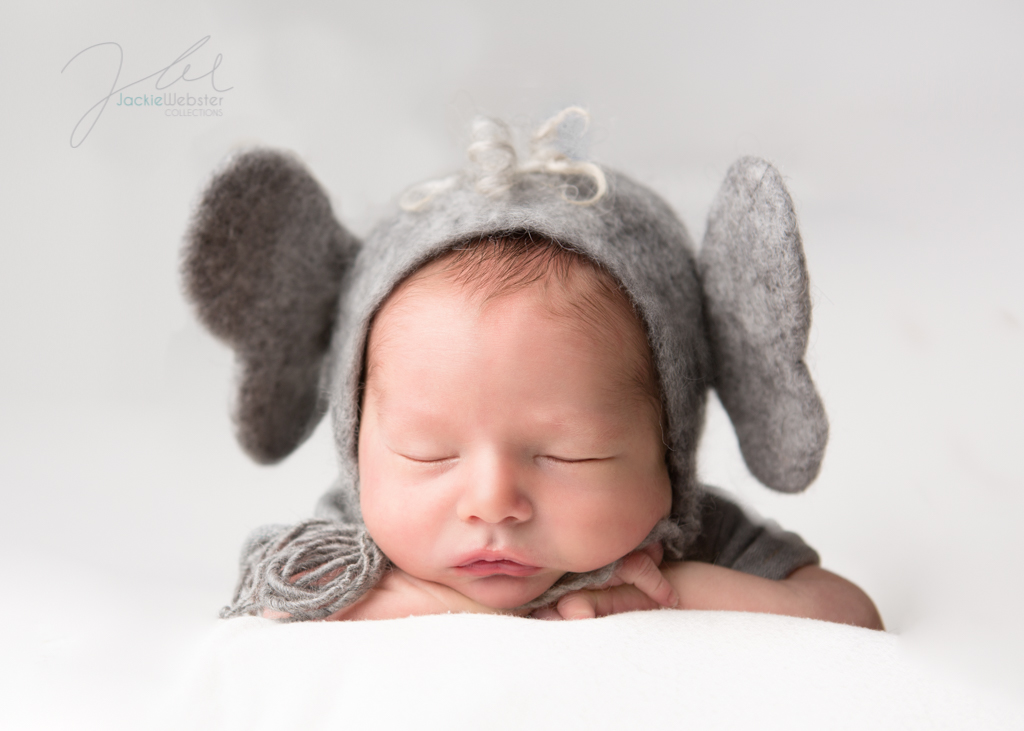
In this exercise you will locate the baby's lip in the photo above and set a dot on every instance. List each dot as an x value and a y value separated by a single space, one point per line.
490 563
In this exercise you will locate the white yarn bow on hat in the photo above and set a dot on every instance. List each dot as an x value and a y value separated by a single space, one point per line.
495 163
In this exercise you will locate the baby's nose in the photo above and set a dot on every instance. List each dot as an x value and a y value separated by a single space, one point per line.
495 494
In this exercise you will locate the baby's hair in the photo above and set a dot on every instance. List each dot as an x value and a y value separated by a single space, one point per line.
583 291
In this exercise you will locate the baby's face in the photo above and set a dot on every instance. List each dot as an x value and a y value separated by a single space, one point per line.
500 446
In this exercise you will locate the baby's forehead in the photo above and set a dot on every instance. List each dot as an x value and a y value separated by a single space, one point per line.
554 282
488 274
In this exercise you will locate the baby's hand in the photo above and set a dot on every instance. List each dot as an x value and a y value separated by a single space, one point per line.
638 584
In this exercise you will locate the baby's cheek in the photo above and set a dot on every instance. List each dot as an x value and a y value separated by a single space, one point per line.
405 529
591 539
383 522
605 530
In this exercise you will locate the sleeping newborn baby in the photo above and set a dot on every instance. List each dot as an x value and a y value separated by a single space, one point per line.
511 432
511 427
517 364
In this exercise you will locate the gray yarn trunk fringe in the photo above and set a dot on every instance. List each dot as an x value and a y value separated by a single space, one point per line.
318 567
338 563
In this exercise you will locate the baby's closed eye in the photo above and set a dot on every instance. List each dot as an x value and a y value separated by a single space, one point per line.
572 460
428 457
431 460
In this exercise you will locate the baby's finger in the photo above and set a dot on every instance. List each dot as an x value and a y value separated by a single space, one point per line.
656 551
546 613
640 570
577 605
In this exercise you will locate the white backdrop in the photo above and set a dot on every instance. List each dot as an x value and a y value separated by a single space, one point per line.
896 125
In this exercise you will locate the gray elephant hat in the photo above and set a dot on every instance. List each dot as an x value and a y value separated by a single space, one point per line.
275 275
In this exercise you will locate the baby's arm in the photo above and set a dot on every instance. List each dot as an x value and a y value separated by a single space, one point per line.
739 563
810 592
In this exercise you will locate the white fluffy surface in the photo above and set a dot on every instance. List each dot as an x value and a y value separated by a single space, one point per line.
664 669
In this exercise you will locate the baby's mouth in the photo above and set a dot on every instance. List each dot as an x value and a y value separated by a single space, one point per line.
485 565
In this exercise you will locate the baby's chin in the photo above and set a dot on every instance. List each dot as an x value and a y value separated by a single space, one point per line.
507 592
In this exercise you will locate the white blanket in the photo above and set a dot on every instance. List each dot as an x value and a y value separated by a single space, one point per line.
663 669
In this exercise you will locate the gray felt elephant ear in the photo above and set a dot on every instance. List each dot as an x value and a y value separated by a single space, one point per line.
263 264
758 313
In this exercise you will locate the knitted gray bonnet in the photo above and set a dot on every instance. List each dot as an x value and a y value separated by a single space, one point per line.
275 275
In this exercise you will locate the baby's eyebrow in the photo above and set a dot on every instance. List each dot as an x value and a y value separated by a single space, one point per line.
389 411
595 427
598 427
402 412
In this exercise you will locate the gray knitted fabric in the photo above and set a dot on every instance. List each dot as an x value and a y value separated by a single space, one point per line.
274 274
730 537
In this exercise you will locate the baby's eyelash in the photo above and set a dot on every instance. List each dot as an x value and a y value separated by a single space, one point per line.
567 460
440 460
553 458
